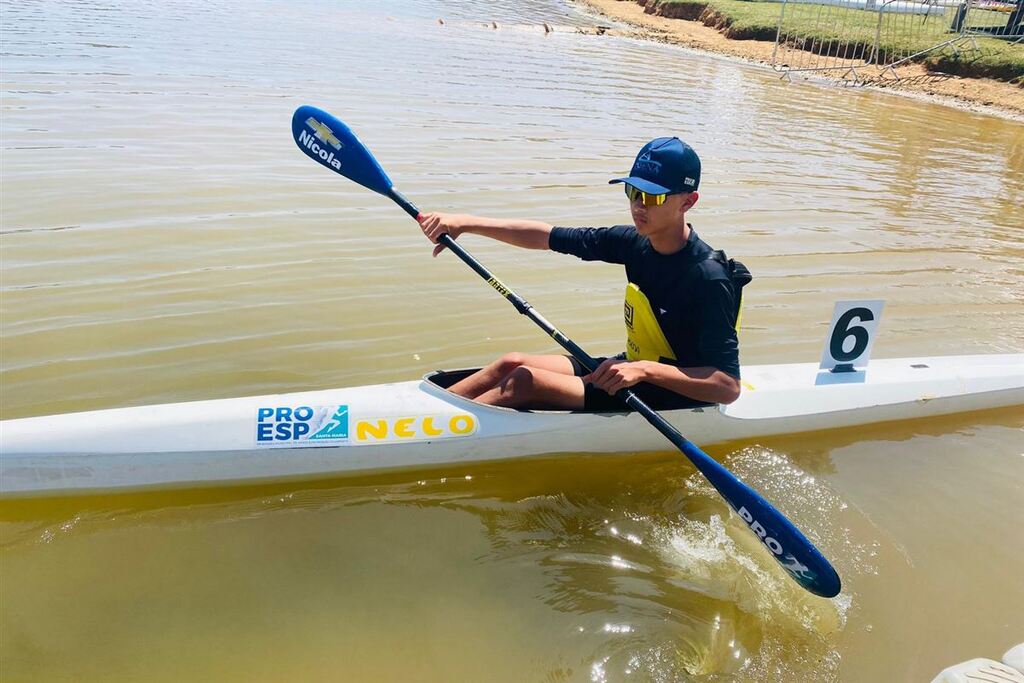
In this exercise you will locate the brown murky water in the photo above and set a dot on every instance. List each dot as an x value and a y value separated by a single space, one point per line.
163 240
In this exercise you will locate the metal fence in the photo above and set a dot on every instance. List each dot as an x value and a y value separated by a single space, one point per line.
866 40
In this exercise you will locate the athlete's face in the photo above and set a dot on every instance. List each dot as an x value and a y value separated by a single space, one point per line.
650 220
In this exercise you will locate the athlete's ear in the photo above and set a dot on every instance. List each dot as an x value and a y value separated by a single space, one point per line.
690 200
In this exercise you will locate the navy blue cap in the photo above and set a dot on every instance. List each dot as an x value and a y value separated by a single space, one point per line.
664 166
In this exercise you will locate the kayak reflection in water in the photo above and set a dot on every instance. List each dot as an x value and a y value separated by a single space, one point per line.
681 306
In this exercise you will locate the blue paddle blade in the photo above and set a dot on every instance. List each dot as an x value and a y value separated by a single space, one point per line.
790 548
330 143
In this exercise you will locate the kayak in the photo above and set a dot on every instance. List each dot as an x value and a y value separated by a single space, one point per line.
420 423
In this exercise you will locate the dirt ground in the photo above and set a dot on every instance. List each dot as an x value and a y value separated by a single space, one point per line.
977 94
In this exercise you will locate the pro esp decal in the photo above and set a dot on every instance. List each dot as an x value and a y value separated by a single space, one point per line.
293 426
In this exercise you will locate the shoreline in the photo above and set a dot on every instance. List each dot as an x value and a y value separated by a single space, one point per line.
979 95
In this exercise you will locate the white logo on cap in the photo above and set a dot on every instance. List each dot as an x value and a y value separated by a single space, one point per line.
645 164
689 181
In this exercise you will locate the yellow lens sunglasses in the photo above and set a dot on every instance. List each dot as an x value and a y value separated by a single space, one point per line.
647 199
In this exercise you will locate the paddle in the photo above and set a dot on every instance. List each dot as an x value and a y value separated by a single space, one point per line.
330 143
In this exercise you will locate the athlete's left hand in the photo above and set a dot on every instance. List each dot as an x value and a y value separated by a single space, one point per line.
615 374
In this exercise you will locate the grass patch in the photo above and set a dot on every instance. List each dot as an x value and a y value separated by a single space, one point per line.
828 30
994 59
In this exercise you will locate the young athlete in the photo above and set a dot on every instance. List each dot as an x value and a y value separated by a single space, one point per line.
681 307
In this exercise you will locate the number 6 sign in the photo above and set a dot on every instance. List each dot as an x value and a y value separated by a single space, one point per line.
851 335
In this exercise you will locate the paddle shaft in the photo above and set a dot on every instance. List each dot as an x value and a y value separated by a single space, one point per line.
518 302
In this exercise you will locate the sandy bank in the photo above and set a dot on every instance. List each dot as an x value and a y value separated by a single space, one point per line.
977 94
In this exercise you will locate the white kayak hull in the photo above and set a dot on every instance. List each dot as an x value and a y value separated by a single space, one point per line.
417 424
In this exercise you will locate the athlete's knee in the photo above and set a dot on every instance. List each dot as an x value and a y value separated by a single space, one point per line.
509 362
518 384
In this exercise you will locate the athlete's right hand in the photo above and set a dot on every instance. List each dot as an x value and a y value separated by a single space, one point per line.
436 224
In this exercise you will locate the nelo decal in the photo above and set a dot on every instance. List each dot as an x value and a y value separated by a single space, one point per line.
413 428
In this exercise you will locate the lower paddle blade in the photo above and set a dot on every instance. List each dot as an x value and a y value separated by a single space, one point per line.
330 143
787 544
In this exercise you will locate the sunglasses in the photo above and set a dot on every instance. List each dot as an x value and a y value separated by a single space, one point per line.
645 197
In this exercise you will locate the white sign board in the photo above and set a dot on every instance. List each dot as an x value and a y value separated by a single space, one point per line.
851 335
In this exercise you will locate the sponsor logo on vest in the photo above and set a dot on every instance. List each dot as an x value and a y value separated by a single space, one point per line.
301 425
414 428
628 311
309 142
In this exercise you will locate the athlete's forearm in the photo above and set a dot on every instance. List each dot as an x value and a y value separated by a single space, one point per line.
517 232
702 383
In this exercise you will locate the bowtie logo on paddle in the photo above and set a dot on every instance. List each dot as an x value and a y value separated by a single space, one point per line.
322 133
301 426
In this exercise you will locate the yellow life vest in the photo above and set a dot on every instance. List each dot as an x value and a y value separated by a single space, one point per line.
644 338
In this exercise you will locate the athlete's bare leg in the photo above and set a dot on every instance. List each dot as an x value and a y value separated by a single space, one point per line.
536 388
491 376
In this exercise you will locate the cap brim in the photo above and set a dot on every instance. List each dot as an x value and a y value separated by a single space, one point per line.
642 185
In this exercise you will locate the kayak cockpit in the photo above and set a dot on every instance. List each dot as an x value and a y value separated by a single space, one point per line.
444 379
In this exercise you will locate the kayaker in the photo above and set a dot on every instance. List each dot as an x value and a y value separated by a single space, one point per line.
681 306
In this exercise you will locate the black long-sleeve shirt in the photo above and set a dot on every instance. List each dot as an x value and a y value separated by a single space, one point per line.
691 294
